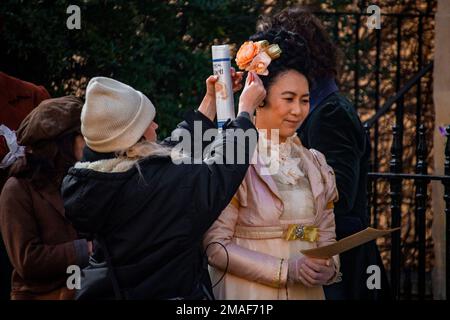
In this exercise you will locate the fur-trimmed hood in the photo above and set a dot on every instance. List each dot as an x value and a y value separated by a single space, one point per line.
121 164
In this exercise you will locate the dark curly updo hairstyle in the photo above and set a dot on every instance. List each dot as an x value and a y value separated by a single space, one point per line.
294 54
326 57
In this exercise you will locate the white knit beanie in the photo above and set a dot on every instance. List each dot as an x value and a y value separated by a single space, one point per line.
114 116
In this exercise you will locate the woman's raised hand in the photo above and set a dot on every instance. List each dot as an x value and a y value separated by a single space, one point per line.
253 94
208 105
310 272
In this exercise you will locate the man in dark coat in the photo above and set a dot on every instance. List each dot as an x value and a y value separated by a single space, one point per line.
334 128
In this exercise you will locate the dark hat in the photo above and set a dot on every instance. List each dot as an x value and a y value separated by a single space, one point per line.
51 119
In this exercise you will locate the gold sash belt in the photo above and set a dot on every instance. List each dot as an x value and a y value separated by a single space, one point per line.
288 232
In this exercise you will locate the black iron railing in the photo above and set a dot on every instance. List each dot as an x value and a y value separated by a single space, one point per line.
421 180
376 73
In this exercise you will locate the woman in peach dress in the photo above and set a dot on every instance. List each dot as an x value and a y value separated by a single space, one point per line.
285 203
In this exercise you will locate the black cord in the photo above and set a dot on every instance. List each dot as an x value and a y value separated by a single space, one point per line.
228 260
112 275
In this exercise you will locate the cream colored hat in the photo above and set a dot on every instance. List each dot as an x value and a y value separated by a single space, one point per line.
114 116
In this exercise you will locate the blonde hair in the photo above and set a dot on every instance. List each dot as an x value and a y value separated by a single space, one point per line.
126 159
143 149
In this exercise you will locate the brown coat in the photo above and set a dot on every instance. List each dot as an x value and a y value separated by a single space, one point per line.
40 241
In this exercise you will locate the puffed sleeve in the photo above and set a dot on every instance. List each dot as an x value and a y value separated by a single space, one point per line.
242 262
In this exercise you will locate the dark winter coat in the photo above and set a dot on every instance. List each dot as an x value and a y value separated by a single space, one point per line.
151 221
333 127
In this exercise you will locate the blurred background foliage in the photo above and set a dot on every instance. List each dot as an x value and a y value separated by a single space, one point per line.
161 48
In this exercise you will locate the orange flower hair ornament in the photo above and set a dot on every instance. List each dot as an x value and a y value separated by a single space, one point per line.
256 56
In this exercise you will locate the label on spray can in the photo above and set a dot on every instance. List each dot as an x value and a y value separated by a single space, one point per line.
224 88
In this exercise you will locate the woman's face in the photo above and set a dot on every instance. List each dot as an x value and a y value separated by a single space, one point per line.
78 146
286 104
150 133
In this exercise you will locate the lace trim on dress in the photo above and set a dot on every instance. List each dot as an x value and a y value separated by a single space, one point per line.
279 156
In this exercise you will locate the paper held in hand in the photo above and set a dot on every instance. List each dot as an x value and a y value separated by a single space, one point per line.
347 243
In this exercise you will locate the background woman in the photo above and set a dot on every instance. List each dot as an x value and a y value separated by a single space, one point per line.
40 241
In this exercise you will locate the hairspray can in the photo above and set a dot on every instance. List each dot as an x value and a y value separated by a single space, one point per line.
224 88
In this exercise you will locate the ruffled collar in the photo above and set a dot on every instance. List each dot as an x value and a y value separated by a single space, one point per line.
279 160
